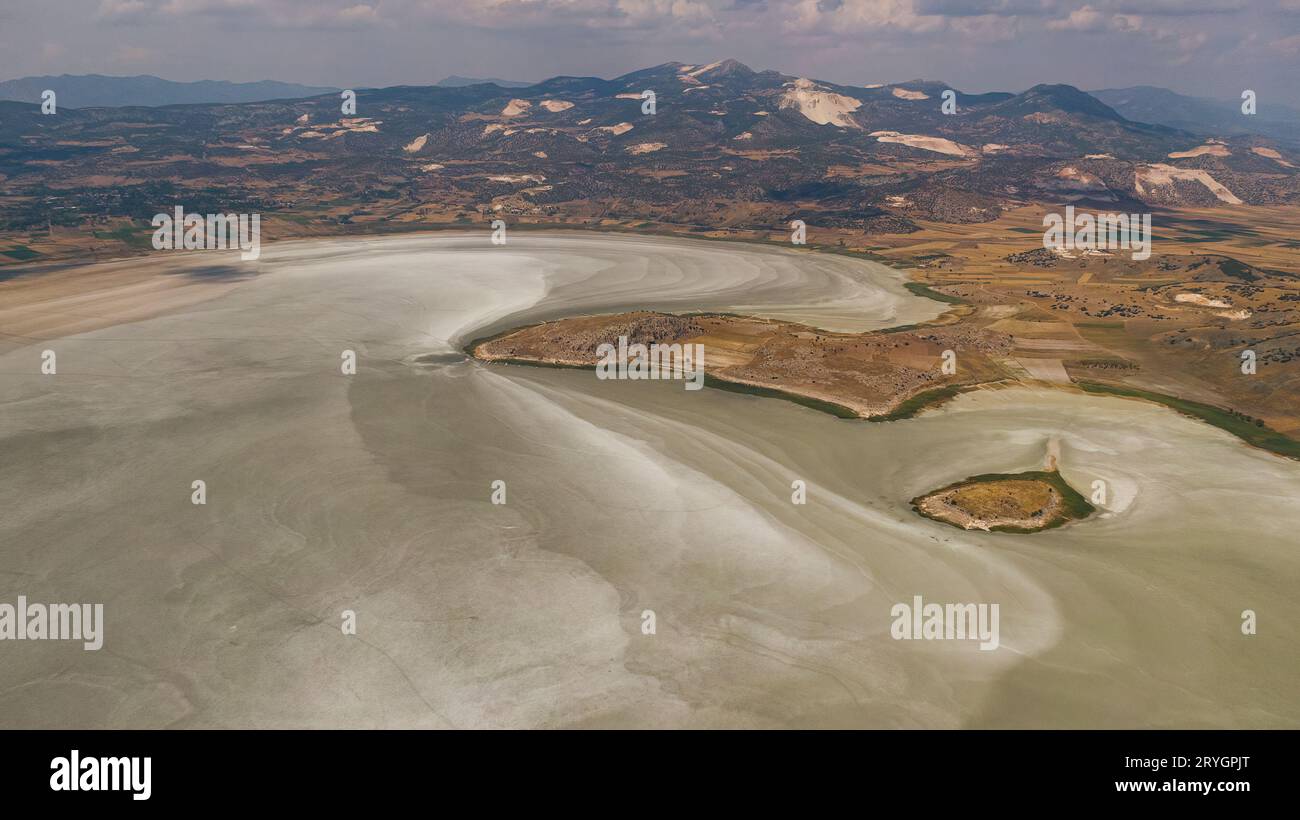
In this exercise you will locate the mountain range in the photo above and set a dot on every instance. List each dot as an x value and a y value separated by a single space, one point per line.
723 145
457 81
1202 115
97 90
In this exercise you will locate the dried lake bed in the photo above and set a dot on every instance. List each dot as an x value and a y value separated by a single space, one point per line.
371 493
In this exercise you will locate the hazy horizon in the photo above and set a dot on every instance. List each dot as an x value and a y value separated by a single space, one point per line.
1207 48
514 80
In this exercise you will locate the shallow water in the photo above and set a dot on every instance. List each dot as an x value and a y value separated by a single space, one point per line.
371 493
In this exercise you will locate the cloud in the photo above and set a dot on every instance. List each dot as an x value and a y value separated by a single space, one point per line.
1177 8
1178 44
1287 46
594 14
1082 19
277 14
850 16
197 7
979 8
1181 44
359 12
830 21
988 28
1126 22
122 10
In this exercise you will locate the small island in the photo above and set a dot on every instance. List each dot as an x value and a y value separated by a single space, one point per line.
1006 502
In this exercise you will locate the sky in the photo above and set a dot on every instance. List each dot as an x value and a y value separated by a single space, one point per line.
1202 47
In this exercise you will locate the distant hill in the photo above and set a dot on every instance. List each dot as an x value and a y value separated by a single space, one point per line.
457 81
1063 98
1201 115
97 90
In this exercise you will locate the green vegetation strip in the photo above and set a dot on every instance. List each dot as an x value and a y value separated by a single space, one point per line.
834 409
20 252
1251 431
922 289
927 398
136 237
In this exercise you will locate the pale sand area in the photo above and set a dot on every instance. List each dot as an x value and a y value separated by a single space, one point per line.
371 493
1047 370
66 300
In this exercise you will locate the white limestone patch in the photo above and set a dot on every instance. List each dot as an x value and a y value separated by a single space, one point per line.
347 125
906 94
1269 153
1210 149
516 108
704 69
1202 300
1160 175
1081 178
939 145
821 106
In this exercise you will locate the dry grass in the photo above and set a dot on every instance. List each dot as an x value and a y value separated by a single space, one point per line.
1003 499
